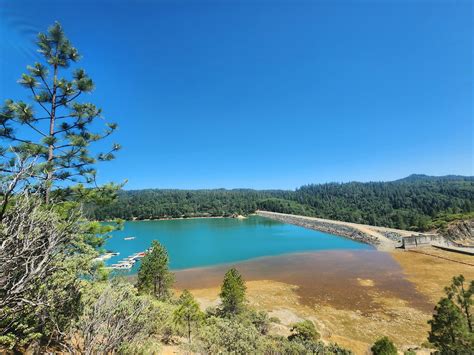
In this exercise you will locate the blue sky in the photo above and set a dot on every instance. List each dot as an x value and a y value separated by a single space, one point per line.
266 94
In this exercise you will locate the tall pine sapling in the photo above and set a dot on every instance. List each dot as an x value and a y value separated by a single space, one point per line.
56 127
188 314
154 276
232 293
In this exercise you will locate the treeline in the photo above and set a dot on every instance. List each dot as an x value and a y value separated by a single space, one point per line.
418 202
155 203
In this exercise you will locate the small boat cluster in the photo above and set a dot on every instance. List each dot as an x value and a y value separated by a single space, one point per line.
127 263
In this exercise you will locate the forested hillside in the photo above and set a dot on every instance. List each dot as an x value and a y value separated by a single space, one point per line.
418 202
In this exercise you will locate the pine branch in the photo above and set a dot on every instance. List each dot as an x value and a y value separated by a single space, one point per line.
36 129
46 85
44 108
68 101
56 118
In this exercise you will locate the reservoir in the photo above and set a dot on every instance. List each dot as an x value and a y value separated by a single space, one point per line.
204 242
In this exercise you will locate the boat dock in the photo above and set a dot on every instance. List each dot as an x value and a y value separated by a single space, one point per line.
128 262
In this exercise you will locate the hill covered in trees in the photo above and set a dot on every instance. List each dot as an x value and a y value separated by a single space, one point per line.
417 202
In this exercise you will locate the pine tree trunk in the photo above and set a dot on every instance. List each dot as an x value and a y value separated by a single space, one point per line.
189 330
49 176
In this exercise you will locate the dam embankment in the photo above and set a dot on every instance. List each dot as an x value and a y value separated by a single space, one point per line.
360 233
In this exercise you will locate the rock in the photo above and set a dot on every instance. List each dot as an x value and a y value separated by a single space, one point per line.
460 232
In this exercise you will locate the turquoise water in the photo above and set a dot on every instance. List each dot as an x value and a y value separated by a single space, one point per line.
212 241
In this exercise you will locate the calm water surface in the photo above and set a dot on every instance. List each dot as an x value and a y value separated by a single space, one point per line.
212 241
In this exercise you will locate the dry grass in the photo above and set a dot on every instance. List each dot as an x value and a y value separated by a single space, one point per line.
431 274
354 328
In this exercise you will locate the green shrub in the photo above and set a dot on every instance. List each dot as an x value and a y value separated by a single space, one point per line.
304 331
221 335
384 346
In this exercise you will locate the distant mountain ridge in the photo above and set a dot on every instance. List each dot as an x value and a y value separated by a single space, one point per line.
423 177
409 178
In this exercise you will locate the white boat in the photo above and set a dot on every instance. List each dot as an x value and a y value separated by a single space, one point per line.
105 256
129 238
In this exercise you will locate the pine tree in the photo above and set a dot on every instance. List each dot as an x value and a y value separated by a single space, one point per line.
448 329
451 326
232 293
188 313
55 129
461 294
154 275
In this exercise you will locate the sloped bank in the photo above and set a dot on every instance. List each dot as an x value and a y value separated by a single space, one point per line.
323 226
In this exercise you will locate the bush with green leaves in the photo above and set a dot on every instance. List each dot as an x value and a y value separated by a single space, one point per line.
46 262
276 345
384 346
115 316
304 331
259 319
223 335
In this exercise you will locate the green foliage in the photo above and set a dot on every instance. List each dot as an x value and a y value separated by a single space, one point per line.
304 331
44 262
442 220
154 276
151 203
222 335
115 317
451 326
419 203
259 319
384 346
276 345
188 315
461 294
47 257
285 206
232 293
337 350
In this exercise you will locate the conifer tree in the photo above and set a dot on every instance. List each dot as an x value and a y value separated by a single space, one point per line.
188 313
232 293
154 276
55 128
461 293
451 330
